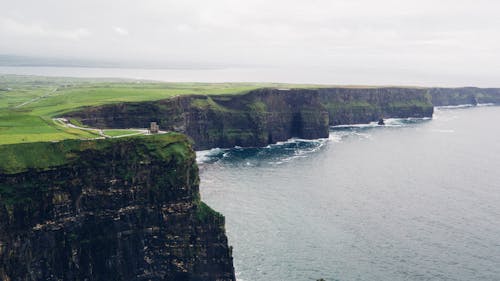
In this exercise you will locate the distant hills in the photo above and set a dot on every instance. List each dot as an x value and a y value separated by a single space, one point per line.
36 61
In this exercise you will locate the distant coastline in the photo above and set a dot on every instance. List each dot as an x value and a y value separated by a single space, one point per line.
234 74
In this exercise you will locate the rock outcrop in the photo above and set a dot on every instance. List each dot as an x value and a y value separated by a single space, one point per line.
115 209
464 96
262 116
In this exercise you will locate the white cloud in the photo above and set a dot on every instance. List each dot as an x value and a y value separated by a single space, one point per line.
10 27
120 30
437 38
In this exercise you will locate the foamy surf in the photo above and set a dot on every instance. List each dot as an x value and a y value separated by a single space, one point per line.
275 154
485 104
454 106
464 106
294 148
340 133
204 156
285 151
389 122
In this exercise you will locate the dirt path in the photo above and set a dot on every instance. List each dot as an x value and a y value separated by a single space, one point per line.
37 98
65 122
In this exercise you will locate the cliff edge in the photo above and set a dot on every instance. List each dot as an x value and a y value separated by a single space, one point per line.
262 116
464 96
114 209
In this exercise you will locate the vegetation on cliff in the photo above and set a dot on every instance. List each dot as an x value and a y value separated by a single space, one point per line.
262 116
49 155
28 103
463 96
109 209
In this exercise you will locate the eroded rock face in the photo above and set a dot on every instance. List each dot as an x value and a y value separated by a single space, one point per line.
357 106
463 96
123 209
262 116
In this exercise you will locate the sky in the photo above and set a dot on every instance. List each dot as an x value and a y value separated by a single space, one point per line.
417 42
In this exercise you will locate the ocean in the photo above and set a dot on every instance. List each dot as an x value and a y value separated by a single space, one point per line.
413 200
417 199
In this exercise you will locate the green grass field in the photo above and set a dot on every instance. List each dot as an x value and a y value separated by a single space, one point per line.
120 133
28 103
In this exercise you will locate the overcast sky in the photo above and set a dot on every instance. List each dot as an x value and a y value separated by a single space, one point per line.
439 42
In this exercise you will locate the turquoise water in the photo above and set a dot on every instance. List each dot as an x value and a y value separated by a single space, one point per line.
414 200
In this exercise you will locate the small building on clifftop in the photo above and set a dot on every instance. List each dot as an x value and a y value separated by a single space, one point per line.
154 128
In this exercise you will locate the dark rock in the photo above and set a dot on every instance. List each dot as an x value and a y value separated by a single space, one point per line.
464 96
120 209
262 116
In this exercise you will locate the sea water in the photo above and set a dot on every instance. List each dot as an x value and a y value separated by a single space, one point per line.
417 199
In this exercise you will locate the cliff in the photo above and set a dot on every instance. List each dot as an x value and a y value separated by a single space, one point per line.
364 105
462 96
263 116
115 209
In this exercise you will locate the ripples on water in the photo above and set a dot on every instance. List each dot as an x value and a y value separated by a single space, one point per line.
416 199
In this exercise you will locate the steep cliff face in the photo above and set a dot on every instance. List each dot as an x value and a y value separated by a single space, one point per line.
462 96
120 209
355 106
262 116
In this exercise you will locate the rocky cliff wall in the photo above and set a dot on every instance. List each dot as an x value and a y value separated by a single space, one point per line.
119 209
357 106
462 96
262 116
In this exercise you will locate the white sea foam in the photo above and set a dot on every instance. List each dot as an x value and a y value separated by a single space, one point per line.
295 145
298 152
454 106
464 106
340 132
393 122
389 122
298 146
297 140
205 155
485 104
337 135
368 125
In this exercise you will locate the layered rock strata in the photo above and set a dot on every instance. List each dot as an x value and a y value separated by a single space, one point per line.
262 116
115 209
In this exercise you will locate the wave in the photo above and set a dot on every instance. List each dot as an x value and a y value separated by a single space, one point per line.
285 151
348 126
454 106
402 122
363 131
485 104
338 136
464 106
205 156
389 122
275 154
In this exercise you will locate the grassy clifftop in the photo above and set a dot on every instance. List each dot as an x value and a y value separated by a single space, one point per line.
28 103
108 209
48 155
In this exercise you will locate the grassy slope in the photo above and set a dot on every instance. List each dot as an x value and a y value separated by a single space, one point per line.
46 155
53 96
